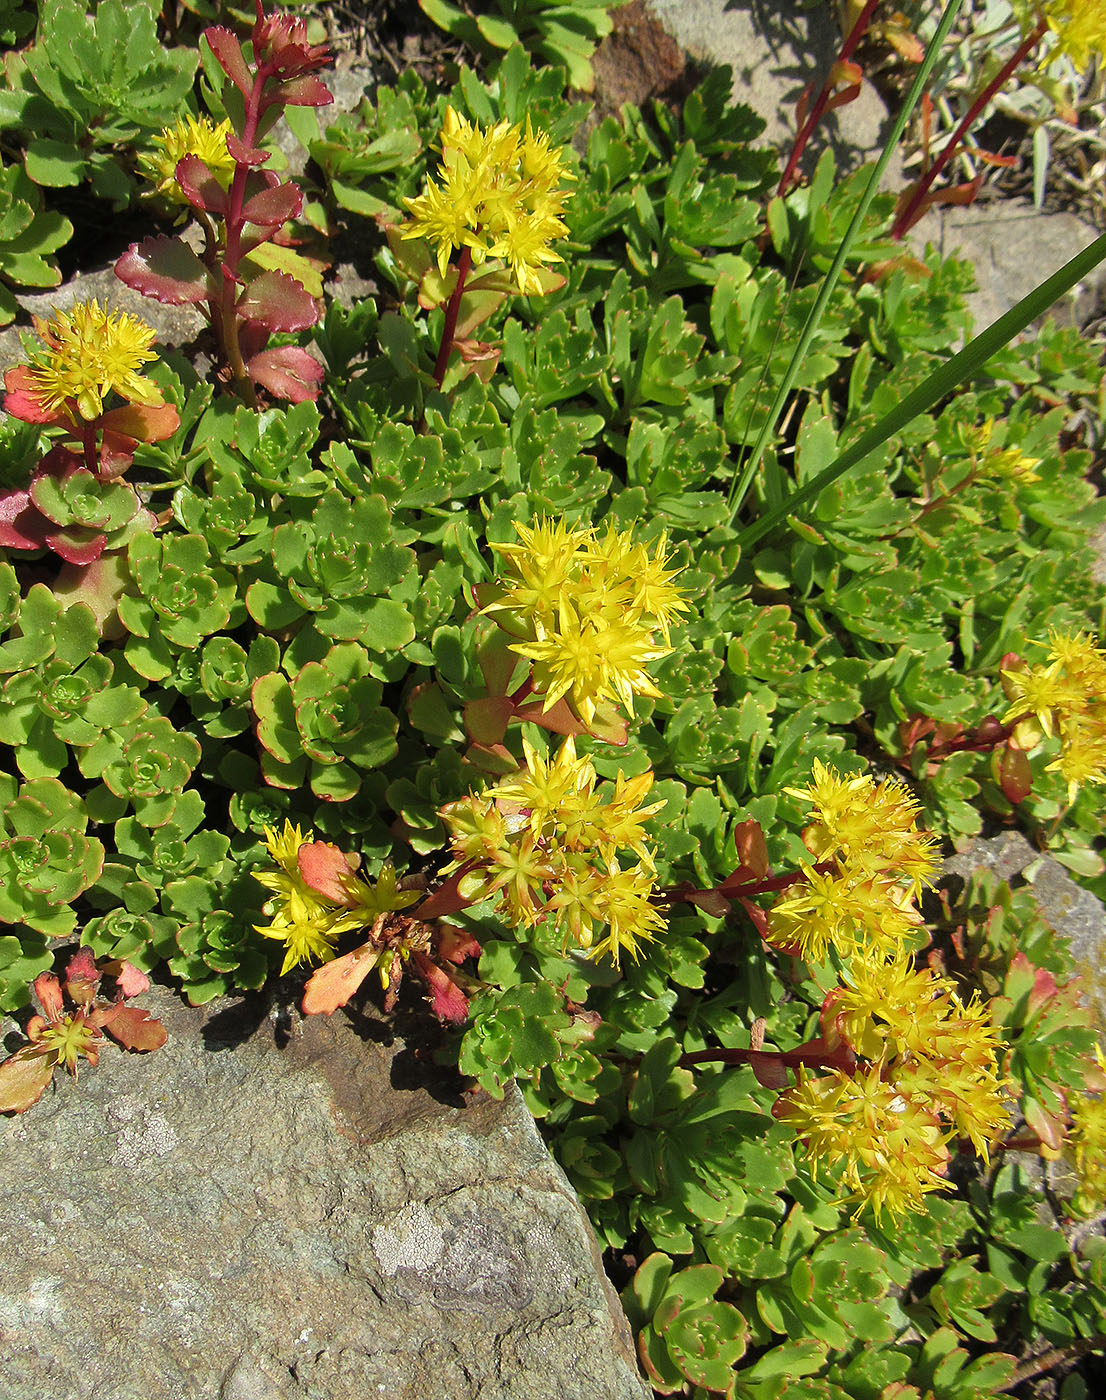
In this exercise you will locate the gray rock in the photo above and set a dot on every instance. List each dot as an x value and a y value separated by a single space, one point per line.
1073 912
775 51
175 325
1014 248
256 1220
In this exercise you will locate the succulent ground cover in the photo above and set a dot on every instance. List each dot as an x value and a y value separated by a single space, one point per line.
594 639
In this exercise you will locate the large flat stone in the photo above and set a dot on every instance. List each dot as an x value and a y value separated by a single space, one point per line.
258 1212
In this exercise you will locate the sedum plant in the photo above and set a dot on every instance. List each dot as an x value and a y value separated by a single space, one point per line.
217 173
93 82
565 697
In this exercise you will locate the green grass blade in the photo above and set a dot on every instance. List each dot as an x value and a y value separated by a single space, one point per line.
783 393
947 377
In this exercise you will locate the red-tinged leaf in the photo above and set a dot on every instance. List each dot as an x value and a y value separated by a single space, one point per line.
229 55
246 155
477 357
332 985
446 900
278 302
22 399
447 1000
166 269
710 901
307 91
324 868
1047 1126
199 186
1015 774
130 980
752 849
22 524
47 990
136 1029
456 944
82 976
558 719
78 544
274 206
116 454
487 718
496 759
23 1079
287 372
769 1069
143 422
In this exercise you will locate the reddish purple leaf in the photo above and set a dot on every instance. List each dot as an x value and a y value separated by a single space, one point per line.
287 372
447 1000
274 206
199 186
307 91
246 155
769 1069
456 944
22 525
228 52
78 544
48 995
166 269
278 302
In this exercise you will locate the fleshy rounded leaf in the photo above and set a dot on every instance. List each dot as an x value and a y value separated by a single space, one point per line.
278 302
164 268
287 372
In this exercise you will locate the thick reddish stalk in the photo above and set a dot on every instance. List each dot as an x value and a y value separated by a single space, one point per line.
449 330
225 316
814 116
915 206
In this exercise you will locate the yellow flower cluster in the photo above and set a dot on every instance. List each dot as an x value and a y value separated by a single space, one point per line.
1066 699
1080 30
547 843
879 862
1088 1146
929 1067
931 1076
91 353
189 137
587 608
498 197
305 921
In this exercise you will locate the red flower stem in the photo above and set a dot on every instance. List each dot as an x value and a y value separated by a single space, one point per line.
226 318
772 885
814 116
914 207
822 1059
516 697
91 452
449 330
972 742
